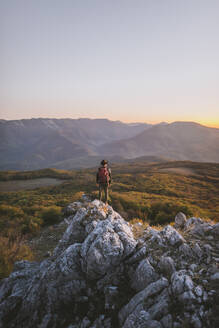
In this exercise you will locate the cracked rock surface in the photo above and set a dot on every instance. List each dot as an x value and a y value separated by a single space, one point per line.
99 275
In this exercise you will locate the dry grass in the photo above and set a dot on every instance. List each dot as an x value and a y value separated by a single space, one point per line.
138 227
16 185
179 170
210 221
46 241
12 249
157 227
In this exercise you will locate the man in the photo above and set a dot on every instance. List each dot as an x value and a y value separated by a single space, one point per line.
103 179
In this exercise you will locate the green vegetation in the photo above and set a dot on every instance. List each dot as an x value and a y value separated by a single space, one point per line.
17 185
12 249
44 173
150 192
51 215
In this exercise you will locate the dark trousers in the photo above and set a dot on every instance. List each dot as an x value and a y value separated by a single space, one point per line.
103 187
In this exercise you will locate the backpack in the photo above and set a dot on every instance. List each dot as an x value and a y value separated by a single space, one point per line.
103 175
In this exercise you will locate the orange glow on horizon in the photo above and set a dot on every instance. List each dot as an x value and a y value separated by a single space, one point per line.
210 124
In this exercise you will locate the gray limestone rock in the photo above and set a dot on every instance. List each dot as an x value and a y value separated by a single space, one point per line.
111 294
196 322
197 250
143 276
193 267
177 325
151 290
160 307
138 255
193 221
186 250
155 236
180 220
187 298
215 230
200 229
85 323
215 277
198 291
75 233
167 321
106 246
173 237
166 265
140 319
180 282
207 248
72 208
100 276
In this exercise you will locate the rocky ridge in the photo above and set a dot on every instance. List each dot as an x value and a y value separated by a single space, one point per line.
100 275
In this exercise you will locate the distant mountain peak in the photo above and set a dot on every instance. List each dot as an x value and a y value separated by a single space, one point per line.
188 123
43 142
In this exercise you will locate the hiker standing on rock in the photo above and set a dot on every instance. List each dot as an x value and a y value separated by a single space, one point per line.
103 179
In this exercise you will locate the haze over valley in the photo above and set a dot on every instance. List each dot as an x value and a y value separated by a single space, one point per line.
76 143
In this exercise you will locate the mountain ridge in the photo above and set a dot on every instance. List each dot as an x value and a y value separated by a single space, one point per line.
20 138
177 141
38 143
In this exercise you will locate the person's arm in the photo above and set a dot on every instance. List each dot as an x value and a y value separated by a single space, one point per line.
97 177
110 175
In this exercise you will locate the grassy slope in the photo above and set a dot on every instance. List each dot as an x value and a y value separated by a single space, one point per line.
141 184
152 192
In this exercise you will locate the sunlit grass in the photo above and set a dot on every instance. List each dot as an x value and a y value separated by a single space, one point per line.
140 192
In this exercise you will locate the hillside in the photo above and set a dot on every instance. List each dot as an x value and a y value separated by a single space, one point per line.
136 188
105 272
177 141
153 192
38 143
74 144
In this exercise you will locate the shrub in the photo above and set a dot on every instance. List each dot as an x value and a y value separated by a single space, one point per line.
165 212
12 249
51 215
31 225
10 211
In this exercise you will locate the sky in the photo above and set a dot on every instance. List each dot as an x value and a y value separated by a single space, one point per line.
129 60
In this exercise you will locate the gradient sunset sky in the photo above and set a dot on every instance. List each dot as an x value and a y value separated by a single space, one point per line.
129 60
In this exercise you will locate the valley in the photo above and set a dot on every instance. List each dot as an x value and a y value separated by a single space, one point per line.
16 185
33 144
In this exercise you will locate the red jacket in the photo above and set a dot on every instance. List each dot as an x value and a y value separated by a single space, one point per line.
109 172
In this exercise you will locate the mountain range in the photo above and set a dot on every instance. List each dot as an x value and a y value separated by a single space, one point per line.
75 143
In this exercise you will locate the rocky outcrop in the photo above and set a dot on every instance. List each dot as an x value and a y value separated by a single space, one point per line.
99 275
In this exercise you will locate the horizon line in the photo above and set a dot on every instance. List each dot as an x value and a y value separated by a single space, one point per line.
210 125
